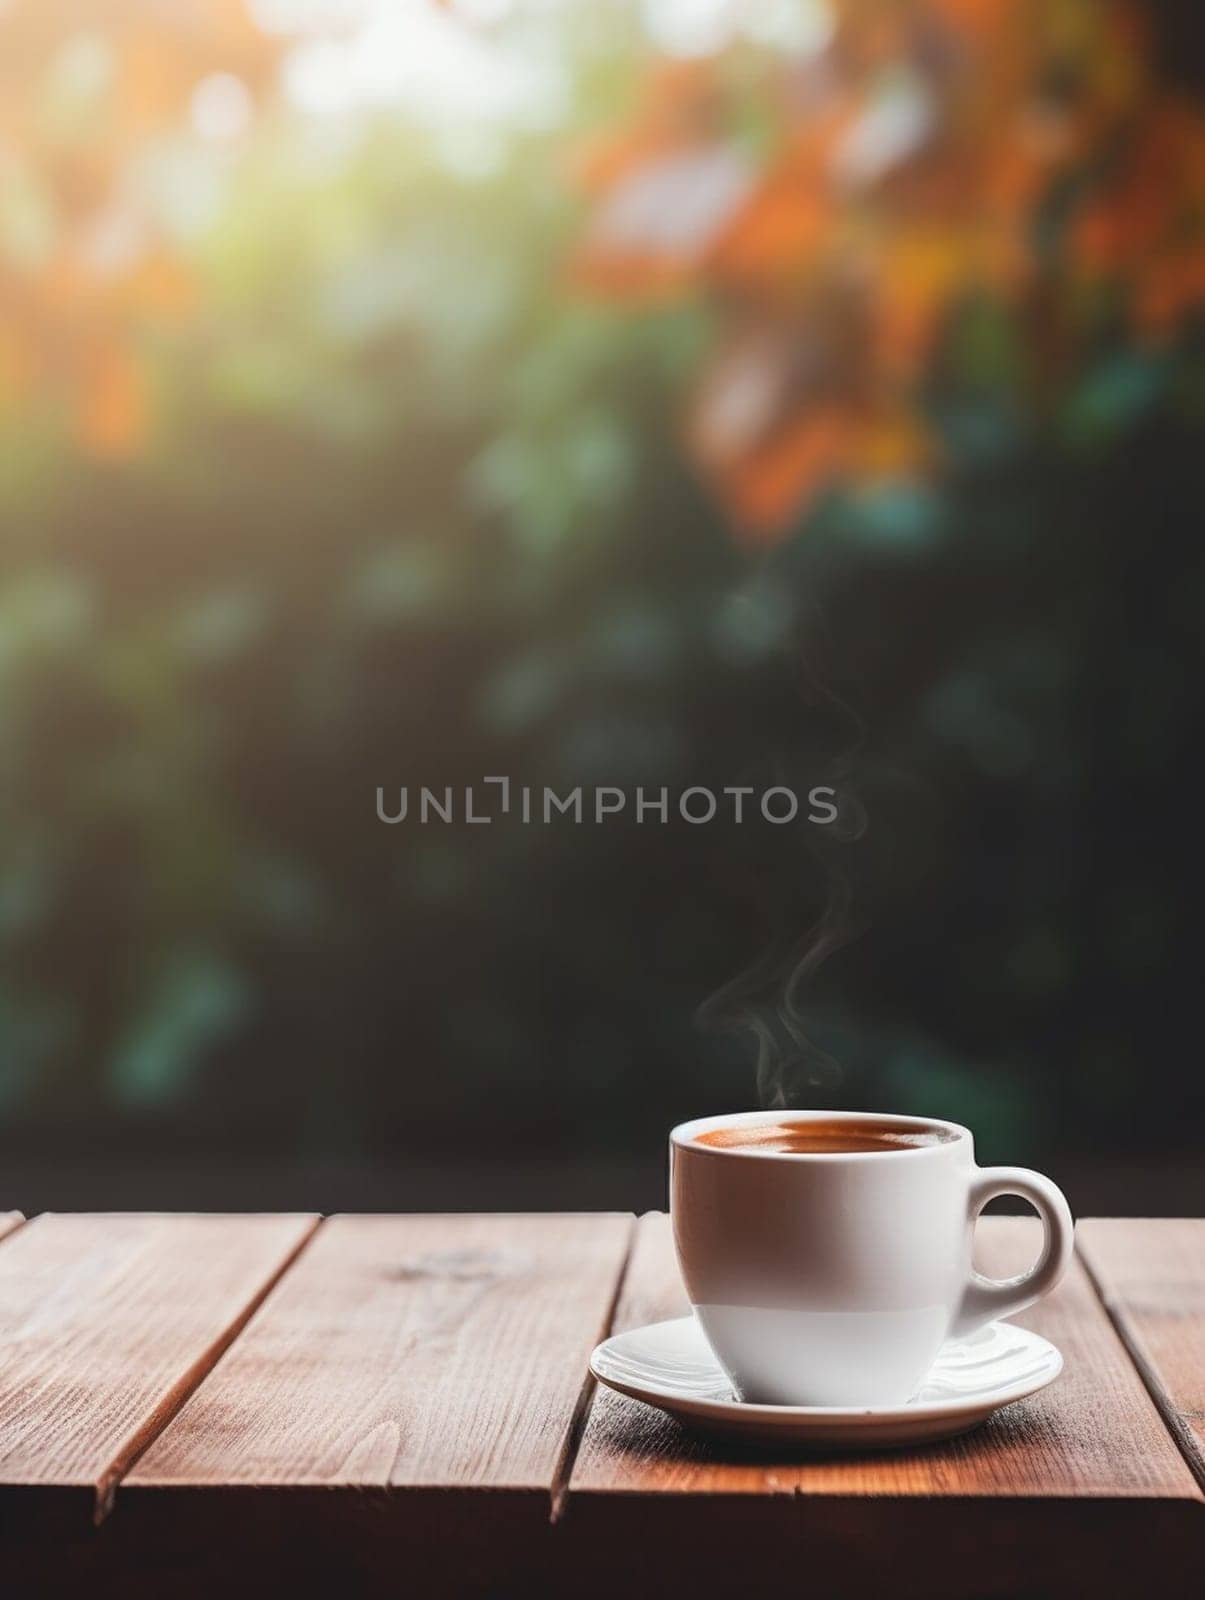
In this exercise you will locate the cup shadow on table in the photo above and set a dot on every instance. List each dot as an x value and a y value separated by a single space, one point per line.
623 1428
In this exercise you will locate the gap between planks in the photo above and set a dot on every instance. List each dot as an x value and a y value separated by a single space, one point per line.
559 1488
1130 1335
187 1385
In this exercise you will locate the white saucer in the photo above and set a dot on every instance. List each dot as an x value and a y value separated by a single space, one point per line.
670 1365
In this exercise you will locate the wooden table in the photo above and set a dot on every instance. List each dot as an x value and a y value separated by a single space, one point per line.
204 1404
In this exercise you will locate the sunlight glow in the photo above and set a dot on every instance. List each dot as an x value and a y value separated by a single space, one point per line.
444 66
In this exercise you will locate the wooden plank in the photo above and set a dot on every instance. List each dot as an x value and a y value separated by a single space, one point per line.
107 1323
403 1408
428 1352
407 1397
1093 1432
1150 1273
1017 1486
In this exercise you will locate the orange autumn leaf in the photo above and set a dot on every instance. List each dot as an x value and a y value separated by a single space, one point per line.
895 443
648 279
112 414
84 85
17 368
597 164
162 286
918 276
978 19
786 471
676 111
776 237
1129 217
1015 176
1021 153
778 233
1170 289
153 82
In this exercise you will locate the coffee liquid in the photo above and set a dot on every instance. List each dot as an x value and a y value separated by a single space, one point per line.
815 1137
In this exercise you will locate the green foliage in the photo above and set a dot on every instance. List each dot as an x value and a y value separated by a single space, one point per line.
414 512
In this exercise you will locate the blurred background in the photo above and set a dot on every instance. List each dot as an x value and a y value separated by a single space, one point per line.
656 393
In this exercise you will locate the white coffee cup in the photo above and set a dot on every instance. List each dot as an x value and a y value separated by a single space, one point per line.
833 1279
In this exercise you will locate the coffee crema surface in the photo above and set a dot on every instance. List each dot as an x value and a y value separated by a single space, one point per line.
815 1137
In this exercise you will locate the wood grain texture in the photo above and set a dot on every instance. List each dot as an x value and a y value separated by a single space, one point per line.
1094 1432
1080 1490
429 1352
1150 1273
108 1322
405 1398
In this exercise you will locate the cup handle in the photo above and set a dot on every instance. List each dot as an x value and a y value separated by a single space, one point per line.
985 1299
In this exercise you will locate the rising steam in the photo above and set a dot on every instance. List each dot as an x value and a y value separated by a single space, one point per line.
769 999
